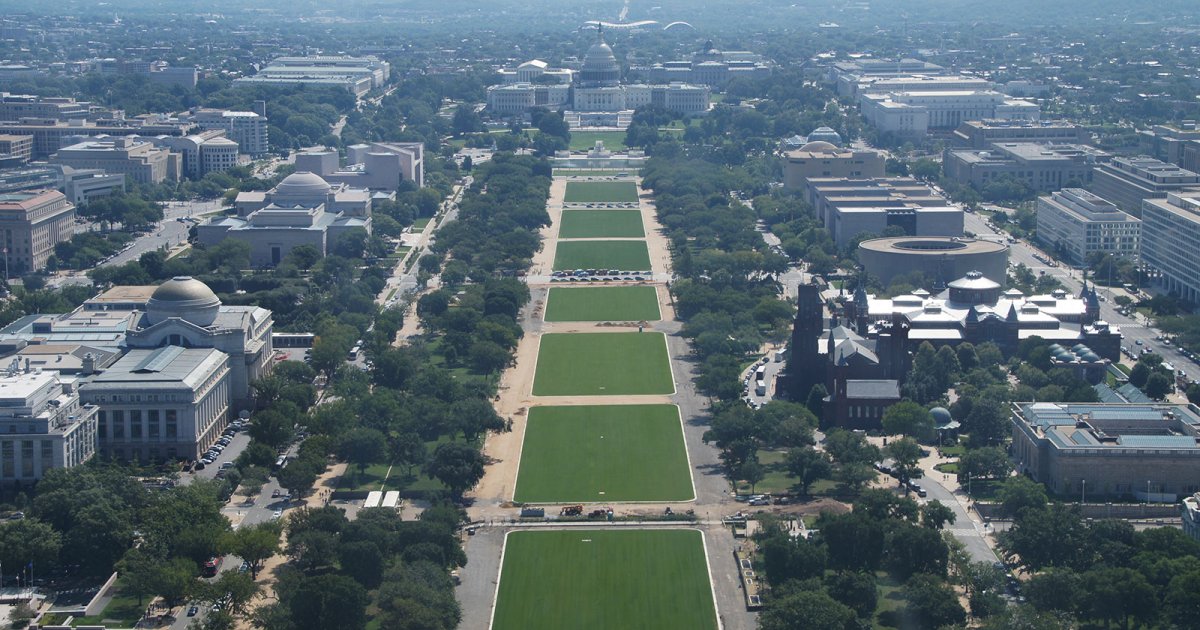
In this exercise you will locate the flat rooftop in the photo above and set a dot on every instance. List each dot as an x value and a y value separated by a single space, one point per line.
1113 427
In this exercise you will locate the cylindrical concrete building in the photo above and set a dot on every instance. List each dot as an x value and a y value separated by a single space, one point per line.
944 258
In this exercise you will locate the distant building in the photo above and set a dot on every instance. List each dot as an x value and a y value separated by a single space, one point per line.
303 209
914 113
79 185
248 129
203 153
1171 241
981 134
31 224
846 76
1177 144
358 75
1191 515
18 147
1076 224
14 107
375 166
823 159
48 134
1127 181
711 67
942 258
1143 452
1040 167
849 207
43 425
137 159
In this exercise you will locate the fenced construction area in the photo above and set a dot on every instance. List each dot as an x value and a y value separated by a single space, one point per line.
600 304
596 453
592 192
604 579
601 224
622 255
606 364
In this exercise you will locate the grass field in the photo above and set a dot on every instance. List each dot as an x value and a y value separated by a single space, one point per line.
601 224
582 364
602 304
623 255
588 192
584 140
592 453
604 580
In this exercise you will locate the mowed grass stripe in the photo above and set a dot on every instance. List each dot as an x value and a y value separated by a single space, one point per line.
589 192
622 255
613 364
603 580
591 453
599 304
601 223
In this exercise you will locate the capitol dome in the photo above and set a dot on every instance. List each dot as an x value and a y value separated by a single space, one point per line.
185 298
302 184
600 65
819 146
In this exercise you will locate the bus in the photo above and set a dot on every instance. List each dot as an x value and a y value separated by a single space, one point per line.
353 354
292 340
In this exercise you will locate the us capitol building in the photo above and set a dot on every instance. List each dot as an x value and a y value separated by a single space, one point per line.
592 97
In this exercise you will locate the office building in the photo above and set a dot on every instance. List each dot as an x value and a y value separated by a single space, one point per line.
710 66
49 135
247 129
31 224
823 159
1170 238
380 166
14 107
43 425
1141 452
515 99
982 134
846 76
359 75
203 153
915 113
303 209
1191 515
79 185
941 258
139 160
17 147
161 404
1178 144
1040 167
850 207
1126 181
1077 224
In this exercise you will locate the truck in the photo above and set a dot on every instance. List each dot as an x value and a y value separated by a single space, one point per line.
533 512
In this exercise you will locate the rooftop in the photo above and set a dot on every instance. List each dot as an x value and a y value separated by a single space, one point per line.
1113 427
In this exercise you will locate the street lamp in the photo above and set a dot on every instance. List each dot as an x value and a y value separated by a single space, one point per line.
1083 492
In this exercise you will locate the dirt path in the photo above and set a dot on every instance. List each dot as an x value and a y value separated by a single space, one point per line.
543 260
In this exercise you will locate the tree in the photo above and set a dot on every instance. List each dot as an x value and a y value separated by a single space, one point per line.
931 603
459 466
855 589
1183 599
176 580
329 602
905 454
816 400
254 544
910 419
786 558
1158 385
29 540
752 472
363 561
855 476
807 465
910 549
850 447
298 477
1020 493
1117 594
1051 536
990 462
812 610
362 447
936 515
139 573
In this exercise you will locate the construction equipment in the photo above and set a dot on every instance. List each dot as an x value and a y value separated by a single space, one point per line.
571 510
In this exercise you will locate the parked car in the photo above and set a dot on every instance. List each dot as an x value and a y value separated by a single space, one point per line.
192 611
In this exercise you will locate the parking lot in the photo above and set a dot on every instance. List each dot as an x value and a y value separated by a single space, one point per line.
600 275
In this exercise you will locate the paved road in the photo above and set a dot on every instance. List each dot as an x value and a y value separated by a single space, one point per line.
405 282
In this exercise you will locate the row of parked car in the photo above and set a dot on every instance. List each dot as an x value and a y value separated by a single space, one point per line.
219 447
911 485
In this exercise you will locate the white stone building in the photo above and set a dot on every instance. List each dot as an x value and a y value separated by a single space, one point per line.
43 425
1077 223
